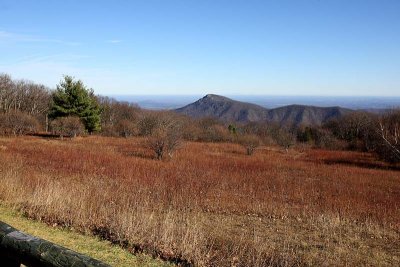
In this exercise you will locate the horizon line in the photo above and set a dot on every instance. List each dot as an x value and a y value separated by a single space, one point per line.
270 95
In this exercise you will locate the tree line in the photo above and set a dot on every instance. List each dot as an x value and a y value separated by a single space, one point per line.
73 109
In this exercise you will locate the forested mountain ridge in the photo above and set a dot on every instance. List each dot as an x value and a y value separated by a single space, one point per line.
229 110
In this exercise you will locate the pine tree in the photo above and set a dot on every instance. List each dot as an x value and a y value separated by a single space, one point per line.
72 98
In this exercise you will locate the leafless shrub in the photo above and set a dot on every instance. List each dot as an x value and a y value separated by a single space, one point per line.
147 124
67 126
283 138
109 130
212 130
17 123
261 129
249 142
126 128
355 129
319 137
326 140
191 130
216 133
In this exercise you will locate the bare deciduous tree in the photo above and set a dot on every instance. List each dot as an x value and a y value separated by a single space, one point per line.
389 133
25 96
166 136
115 112
67 126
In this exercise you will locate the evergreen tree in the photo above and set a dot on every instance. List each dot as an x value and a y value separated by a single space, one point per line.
72 98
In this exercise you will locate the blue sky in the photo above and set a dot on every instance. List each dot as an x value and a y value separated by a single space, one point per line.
314 47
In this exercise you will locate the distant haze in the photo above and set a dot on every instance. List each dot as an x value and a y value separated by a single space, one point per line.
177 101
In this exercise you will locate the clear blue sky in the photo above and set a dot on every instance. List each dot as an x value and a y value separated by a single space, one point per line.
314 47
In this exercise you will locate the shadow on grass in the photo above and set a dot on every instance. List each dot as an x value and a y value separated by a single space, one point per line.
140 154
363 164
45 135
127 152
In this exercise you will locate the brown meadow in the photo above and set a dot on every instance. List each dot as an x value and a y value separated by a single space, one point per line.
211 205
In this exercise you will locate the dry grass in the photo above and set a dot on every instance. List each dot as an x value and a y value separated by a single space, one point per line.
211 204
91 246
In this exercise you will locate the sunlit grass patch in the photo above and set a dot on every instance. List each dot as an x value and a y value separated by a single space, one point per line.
88 245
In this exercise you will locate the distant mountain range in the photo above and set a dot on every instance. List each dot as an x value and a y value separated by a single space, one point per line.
229 110
170 101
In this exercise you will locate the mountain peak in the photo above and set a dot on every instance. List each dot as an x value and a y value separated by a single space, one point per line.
225 109
229 110
214 97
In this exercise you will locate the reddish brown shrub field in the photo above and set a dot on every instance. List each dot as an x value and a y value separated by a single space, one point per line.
211 204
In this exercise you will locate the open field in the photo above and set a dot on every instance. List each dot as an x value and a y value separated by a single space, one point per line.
211 204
